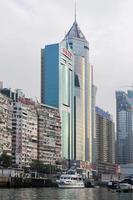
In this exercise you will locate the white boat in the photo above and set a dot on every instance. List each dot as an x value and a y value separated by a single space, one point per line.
126 184
70 180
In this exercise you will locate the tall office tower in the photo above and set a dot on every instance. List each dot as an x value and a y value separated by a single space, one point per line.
82 94
5 125
124 117
24 132
49 134
57 80
66 82
105 136
94 136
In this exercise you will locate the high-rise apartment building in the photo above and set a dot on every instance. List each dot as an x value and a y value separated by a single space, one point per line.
105 134
124 117
66 82
24 133
5 125
94 136
28 130
49 134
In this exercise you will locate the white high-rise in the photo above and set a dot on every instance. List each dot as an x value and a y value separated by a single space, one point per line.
67 83
83 137
24 134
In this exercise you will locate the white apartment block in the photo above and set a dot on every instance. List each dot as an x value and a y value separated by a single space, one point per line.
24 137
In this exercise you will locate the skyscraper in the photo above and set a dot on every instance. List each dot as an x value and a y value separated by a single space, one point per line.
82 94
124 117
105 137
57 84
66 82
94 136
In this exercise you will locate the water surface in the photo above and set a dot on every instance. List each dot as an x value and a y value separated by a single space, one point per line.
62 194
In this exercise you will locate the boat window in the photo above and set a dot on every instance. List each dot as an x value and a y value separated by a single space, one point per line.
129 181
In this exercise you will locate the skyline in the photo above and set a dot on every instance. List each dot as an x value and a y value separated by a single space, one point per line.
25 30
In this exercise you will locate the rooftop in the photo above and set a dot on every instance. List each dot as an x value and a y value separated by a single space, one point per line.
75 31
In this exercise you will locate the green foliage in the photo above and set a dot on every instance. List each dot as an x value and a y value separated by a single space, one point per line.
5 160
41 168
37 165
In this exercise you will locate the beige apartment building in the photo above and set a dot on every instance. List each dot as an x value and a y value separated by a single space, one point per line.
5 125
49 134
105 134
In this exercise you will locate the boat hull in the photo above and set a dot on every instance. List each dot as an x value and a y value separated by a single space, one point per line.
71 179
70 186
125 187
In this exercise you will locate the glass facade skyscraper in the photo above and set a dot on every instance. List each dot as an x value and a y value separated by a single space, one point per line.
124 116
66 82
82 94
57 89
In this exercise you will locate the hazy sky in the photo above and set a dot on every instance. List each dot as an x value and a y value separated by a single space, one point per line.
27 25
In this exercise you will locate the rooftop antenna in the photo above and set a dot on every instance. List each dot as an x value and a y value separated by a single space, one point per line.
65 33
37 100
75 11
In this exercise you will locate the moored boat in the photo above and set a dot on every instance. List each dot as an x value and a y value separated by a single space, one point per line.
126 184
113 185
71 179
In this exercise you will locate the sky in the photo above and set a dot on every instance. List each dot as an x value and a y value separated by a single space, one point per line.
26 26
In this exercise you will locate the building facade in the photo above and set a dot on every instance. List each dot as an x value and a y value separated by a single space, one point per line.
105 134
124 117
57 89
94 136
49 134
82 94
29 131
5 125
66 82
24 132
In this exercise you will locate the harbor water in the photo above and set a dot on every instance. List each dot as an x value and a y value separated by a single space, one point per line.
62 194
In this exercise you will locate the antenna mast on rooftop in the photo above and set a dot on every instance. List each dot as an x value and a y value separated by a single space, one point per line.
75 11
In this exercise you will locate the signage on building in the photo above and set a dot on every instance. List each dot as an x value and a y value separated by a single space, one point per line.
85 165
67 53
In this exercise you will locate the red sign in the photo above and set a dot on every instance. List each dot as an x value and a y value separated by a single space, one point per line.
67 53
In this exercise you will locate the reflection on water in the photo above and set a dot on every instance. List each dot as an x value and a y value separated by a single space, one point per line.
62 194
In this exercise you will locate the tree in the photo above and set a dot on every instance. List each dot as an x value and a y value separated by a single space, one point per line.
37 165
5 160
41 168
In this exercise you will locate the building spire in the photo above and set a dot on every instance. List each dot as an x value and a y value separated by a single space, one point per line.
75 11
